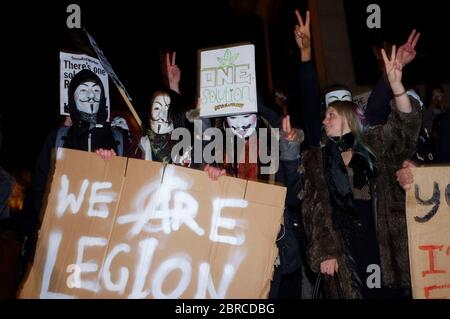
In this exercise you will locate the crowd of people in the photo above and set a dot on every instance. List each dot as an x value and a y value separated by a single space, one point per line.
345 171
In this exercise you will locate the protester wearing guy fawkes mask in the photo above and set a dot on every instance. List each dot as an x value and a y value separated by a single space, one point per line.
166 112
89 131
87 107
243 127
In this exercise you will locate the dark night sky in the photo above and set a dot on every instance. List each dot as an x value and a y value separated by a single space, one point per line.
131 34
398 18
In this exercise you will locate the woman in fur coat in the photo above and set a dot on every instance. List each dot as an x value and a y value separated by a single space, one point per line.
349 220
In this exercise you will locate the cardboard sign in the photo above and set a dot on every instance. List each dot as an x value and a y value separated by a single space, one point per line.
428 219
71 64
128 228
227 80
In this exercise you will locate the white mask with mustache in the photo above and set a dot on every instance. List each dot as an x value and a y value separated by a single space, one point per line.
159 122
242 125
87 97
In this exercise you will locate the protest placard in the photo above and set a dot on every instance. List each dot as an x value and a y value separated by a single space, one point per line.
428 220
129 228
71 64
227 81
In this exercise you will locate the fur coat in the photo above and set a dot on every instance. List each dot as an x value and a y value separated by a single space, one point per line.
392 143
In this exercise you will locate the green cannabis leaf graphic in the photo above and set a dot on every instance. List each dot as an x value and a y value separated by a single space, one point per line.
228 59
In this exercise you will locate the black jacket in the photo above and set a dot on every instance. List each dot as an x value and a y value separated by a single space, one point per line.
77 138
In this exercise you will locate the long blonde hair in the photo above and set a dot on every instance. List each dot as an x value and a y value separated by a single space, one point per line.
351 112
355 118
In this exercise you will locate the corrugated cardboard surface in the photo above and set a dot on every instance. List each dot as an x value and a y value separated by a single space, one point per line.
147 257
225 97
429 242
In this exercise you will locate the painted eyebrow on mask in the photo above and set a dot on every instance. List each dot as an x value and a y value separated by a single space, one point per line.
334 96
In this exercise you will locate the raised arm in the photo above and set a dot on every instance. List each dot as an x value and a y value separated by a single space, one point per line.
400 133
394 74
378 109
303 36
309 84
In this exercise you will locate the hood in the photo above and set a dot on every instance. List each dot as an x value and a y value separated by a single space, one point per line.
80 77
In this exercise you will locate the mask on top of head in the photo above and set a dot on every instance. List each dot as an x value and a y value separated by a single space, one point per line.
338 95
159 121
242 125
87 97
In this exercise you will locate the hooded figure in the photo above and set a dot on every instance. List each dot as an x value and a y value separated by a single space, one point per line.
87 108
89 132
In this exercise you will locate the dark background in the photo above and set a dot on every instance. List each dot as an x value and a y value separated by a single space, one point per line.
398 19
132 34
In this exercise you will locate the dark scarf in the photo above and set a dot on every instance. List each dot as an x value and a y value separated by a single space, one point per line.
161 146
89 118
345 216
101 136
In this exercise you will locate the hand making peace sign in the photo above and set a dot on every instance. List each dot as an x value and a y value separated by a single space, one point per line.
302 32
393 67
173 72
407 52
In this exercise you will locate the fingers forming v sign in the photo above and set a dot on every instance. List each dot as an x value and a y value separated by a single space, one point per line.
413 38
173 72
392 66
302 31
170 61
406 53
